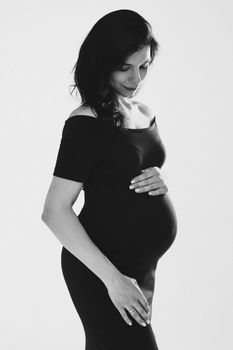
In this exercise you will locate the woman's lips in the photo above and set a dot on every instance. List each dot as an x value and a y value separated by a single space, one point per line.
129 89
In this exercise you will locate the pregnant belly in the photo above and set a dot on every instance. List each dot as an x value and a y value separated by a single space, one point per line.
128 224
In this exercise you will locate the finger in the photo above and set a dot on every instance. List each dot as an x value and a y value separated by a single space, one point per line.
158 191
125 316
147 169
144 175
147 185
143 301
157 169
142 312
145 304
134 313
150 187
149 181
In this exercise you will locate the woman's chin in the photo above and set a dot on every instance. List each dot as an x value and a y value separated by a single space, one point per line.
128 93
125 93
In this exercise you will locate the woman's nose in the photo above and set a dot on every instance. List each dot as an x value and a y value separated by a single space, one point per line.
135 78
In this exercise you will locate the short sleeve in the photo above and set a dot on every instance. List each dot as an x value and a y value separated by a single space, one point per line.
80 149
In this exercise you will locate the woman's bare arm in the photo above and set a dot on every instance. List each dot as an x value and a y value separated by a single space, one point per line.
60 217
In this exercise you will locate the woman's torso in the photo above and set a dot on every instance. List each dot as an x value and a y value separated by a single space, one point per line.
126 225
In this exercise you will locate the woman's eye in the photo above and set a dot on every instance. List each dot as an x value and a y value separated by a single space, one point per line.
127 68
123 69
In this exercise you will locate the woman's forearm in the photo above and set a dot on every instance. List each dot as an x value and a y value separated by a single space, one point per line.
66 226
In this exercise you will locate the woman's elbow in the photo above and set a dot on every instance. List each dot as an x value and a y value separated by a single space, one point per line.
46 214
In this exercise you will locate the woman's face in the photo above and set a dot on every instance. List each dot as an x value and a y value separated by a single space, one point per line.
132 73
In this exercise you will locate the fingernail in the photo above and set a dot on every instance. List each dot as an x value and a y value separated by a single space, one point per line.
132 181
148 321
144 324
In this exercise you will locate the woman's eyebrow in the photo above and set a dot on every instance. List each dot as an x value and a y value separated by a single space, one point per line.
128 64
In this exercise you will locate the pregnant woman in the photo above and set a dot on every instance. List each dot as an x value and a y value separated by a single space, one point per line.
111 249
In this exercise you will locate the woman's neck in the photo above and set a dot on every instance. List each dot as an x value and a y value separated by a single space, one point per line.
125 103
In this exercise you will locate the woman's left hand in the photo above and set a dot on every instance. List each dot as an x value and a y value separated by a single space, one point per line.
149 181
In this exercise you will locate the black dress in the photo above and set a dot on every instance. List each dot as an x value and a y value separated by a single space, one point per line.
132 229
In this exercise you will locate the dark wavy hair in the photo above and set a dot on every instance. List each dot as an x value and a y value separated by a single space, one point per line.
111 40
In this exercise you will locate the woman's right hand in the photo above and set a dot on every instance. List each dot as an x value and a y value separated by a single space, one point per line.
125 293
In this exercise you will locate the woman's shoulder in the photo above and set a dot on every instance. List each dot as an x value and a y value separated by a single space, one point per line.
82 117
144 109
82 123
82 111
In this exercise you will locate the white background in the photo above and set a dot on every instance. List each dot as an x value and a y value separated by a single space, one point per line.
189 89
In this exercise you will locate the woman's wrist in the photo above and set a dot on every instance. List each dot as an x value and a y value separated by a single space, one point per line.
110 276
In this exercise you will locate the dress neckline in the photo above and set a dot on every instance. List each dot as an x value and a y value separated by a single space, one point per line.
152 123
